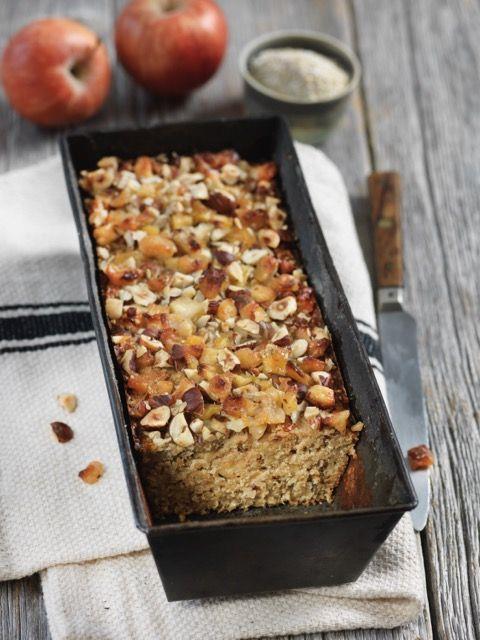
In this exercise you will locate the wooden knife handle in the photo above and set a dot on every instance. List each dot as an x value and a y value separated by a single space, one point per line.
384 189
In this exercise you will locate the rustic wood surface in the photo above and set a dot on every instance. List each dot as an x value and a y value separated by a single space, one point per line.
417 112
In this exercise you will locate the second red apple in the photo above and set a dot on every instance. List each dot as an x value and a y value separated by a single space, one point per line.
171 46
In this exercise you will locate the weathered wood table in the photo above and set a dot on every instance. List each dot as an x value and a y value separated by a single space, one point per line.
418 111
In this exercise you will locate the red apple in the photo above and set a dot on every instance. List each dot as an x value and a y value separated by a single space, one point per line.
55 72
171 46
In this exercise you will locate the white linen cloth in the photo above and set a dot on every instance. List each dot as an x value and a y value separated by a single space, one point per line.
98 580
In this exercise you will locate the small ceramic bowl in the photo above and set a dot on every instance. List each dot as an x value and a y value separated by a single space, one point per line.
309 121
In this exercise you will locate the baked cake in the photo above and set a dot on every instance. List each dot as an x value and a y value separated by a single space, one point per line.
233 390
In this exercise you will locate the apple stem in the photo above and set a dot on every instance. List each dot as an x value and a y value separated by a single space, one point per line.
167 6
80 68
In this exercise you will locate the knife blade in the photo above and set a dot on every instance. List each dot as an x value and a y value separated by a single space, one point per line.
398 333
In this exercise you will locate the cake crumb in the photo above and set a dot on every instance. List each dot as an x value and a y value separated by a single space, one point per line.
92 472
67 401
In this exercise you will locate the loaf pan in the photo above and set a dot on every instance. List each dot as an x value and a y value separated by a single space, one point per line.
278 547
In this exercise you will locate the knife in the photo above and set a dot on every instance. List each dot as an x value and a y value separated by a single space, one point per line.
398 332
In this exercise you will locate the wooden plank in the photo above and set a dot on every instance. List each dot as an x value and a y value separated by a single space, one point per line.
419 60
22 614
128 104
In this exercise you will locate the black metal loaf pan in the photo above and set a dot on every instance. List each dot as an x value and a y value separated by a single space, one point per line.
280 547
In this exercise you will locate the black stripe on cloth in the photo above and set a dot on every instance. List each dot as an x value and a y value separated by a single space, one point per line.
47 345
365 324
80 341
25 327
42 305
53 324
372 346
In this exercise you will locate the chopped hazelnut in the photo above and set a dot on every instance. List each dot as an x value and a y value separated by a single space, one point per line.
142 295
222 202
162 359
114 308
262 293
178 406
358 426
156 417
196 425
338 420
269 237
231 173
236 425
266 267
157 246
199 191
157 442
298 348
321 396
226 309
297 374
281 309
249 326
227 360
224 257
311 412
150 343
257 430
317 348
194 402
235 271
215 425
322 377
182 280
309 364
207 434
179 431
279 335
248 358
219 387
129 361
211 282
140 351
187 308
252 256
